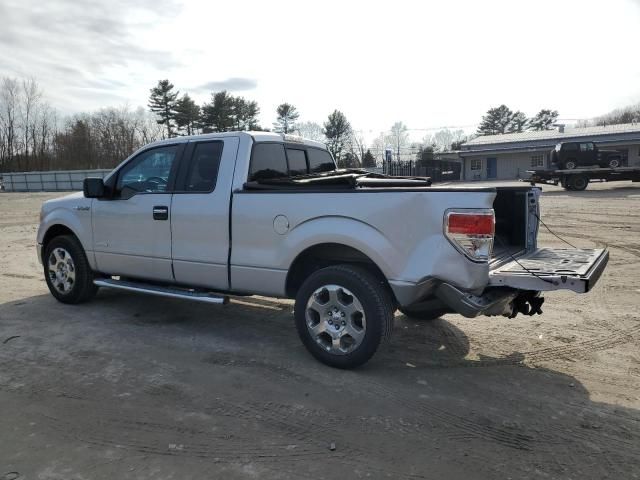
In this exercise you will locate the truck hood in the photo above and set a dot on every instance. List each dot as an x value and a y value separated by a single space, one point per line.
68 202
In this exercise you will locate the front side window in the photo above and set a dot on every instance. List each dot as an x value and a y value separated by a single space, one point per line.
586 147
149 172
476 164
203 170
268 160
297 162
320 161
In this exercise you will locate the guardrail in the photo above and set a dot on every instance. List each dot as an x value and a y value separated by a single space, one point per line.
51 181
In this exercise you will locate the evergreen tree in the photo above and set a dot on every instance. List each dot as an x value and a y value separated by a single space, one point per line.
497 120
368 160
217 116
287 116
337 130
519 123
226 113
187 115
245 114
543 120
162 102
425 156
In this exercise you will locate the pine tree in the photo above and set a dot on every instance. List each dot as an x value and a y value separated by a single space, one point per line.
519 123
217 116
287 116
187 115
337 129
245 114
496 121
226 113
543 120
368 160
162 102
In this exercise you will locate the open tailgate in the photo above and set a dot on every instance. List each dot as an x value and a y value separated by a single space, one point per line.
547 269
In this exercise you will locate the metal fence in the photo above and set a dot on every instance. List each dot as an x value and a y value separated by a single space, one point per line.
52 181
438 170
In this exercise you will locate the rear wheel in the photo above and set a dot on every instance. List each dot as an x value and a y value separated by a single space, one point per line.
343 313
577 182
67 271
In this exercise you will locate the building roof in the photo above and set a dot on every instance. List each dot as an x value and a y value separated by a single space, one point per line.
546 138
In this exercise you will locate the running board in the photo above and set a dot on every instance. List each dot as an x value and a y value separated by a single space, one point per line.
170 292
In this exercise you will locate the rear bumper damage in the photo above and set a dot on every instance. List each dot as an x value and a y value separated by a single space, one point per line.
497 301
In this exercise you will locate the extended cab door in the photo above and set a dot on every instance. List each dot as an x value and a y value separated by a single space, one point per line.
200 213
131 228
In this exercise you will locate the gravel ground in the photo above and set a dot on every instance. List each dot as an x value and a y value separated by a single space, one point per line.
138 387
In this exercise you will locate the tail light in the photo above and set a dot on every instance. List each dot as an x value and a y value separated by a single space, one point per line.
471 231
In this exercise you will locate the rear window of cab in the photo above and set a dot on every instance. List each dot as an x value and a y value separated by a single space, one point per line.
274 160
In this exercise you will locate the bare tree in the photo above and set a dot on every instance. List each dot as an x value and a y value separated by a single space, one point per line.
9 107
31 96
311 130
399 137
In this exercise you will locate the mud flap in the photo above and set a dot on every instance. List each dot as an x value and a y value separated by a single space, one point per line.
547 269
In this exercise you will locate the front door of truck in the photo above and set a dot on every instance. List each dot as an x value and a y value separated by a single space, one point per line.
131 228
200 213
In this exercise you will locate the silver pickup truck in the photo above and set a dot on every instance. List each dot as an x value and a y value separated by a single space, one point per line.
242 213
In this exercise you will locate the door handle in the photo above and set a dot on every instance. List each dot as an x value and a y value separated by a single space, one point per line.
161 213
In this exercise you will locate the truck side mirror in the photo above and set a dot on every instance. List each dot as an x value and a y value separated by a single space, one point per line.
93 187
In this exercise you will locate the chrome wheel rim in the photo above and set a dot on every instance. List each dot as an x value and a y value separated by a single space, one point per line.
335 319
62 270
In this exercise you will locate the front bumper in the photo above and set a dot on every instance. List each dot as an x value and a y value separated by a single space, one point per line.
39 251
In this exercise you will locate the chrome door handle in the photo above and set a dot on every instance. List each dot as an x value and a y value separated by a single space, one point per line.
160 213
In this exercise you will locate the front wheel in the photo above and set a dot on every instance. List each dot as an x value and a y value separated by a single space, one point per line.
569 165
343 313
67 270
614 163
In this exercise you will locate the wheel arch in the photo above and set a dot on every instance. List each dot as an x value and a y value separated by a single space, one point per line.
326 254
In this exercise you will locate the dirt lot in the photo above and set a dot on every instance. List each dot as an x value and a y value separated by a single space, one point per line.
138 387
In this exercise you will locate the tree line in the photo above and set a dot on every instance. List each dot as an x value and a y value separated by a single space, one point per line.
502 119
34 137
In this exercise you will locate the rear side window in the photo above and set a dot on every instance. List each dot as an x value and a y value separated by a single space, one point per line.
268 160
320 161
568 147
203 170
297 162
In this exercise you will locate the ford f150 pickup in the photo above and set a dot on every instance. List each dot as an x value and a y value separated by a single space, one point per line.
242 213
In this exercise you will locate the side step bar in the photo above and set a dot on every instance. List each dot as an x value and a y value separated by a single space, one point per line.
171 292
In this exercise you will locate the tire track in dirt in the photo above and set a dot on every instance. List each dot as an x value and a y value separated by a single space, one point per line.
141 436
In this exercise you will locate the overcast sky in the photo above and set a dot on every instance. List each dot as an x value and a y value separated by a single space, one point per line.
429 64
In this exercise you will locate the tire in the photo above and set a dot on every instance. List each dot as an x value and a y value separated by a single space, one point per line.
569 165
423 315
577 183
343 313
67 271
614 163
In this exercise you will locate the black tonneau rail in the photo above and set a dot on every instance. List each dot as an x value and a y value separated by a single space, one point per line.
341 179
